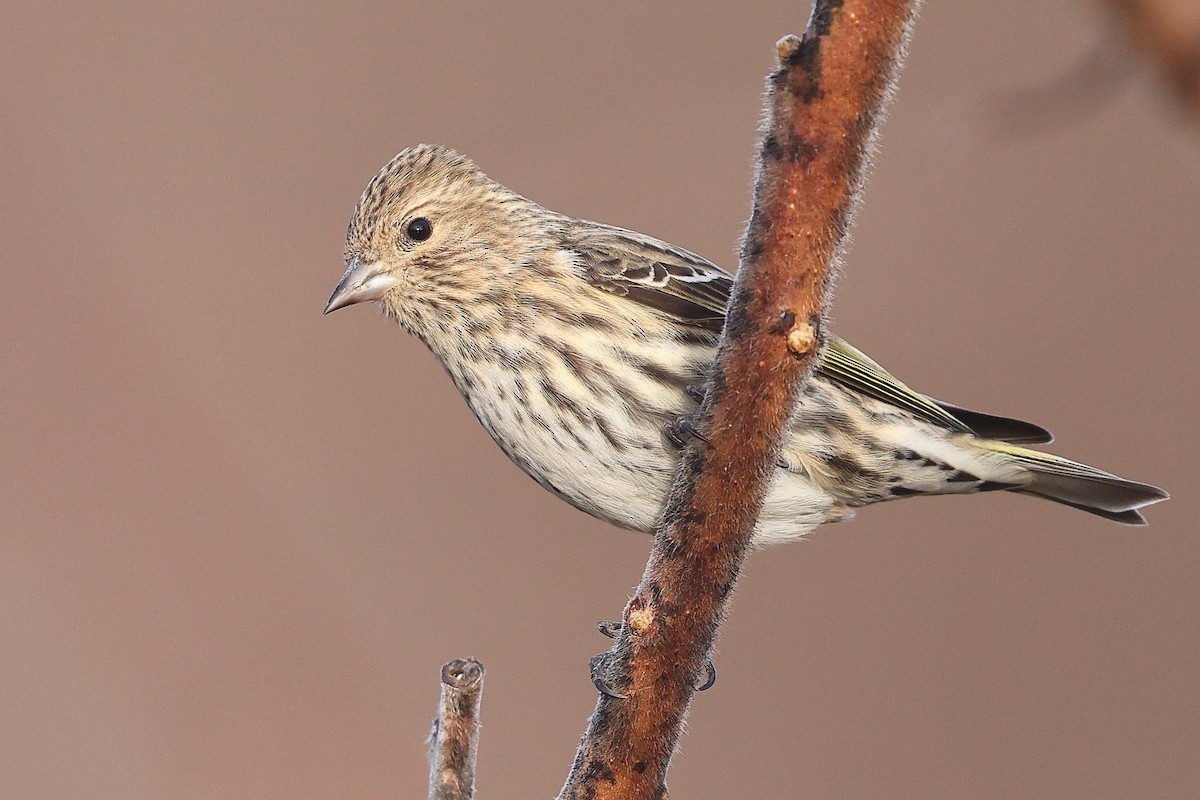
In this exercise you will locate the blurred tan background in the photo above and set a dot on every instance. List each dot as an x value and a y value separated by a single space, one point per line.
239 540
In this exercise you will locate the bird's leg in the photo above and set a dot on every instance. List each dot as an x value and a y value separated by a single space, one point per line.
695 391
612 629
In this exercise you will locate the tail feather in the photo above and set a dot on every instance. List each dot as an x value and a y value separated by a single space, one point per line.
1130 517
1004 429
1080 486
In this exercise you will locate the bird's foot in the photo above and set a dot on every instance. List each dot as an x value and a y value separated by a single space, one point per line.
679 430
609 628
612 629
595 666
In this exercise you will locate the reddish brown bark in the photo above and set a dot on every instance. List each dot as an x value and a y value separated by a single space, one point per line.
824 101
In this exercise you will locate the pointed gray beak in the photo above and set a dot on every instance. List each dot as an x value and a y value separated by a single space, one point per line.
360 283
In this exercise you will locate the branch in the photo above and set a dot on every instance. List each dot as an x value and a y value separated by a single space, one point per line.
455 737
823 104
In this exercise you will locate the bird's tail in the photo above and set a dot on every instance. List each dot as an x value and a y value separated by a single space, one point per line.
1078 485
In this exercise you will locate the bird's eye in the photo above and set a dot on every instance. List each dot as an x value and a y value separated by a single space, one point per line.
419 229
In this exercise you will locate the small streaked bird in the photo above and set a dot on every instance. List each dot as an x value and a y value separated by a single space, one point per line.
579 345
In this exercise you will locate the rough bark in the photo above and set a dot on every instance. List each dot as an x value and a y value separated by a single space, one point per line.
455 737
823 104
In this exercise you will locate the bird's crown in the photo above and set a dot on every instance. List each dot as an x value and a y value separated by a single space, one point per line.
416 173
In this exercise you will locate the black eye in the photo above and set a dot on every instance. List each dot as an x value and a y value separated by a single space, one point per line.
419 229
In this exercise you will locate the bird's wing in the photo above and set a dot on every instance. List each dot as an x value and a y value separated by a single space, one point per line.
854 369
680 284
695 291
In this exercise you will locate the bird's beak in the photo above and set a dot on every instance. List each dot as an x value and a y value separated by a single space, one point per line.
361 282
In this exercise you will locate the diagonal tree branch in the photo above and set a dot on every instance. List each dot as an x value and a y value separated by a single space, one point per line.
823 102
455 737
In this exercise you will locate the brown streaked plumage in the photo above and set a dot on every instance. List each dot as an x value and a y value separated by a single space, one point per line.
575 344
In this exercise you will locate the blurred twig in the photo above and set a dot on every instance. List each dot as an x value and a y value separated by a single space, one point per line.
455 738
1168 33
1079 90
824 101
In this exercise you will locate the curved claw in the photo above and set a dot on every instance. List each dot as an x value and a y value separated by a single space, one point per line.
674 432
609 627
604 690
680 429
612 629
601 686
689 425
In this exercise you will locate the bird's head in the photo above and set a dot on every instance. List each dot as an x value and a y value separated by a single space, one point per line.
430 235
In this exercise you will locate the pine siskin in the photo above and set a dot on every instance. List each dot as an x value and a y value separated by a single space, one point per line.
578 345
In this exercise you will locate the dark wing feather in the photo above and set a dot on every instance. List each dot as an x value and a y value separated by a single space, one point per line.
670 279
1003 429
854 369
695 292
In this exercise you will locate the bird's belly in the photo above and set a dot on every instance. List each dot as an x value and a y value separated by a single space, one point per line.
612 464
615 471
609 456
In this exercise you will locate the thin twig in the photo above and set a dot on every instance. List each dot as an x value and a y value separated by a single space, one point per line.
455 738
823 104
